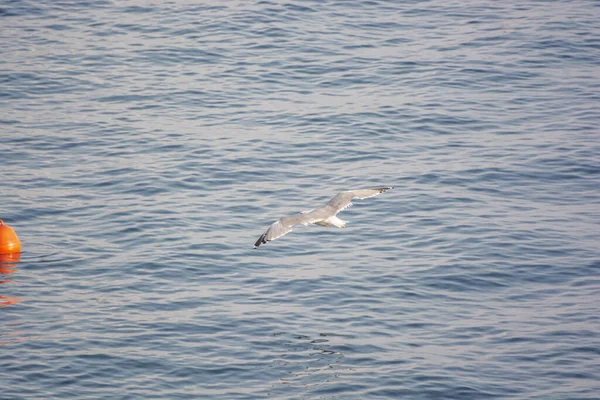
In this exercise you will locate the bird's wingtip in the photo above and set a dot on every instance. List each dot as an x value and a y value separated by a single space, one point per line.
261 240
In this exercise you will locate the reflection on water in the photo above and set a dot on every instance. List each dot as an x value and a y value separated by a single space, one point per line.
305 361
8 266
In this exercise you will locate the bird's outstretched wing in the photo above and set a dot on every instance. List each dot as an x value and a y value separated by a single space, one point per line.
343 200
285 224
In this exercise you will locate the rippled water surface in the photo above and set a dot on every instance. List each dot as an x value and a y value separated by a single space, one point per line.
144 147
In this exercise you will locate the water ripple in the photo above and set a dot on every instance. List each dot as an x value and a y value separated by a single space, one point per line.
146 147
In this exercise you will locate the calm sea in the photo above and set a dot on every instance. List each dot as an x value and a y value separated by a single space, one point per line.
146 145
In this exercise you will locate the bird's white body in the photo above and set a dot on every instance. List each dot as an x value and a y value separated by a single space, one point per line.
332 221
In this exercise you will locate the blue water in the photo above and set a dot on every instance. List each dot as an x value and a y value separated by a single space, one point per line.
145 147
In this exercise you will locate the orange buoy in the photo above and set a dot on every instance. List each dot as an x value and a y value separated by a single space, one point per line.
9 241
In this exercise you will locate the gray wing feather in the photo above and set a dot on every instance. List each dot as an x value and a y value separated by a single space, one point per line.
285 224
343 200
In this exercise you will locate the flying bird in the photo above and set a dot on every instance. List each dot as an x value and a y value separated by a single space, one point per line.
324 216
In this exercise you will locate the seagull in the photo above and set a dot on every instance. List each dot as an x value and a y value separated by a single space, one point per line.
324 216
